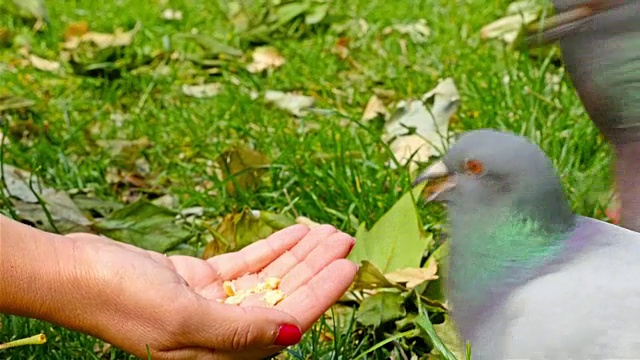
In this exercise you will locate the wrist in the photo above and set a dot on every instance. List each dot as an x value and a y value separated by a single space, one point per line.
36 268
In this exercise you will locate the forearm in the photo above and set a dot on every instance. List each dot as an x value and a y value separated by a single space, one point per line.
35 267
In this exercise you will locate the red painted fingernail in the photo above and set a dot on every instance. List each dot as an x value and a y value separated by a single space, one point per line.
288 335
351 246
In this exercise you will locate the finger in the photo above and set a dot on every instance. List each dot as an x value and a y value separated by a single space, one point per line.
290 259
311 300
235 328
333 248
259 254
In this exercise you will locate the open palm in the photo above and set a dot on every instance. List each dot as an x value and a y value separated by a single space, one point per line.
169 303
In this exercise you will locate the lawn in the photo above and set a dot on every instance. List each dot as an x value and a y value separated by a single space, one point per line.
327 165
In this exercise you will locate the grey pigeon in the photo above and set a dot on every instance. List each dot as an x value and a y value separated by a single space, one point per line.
602 57
527 278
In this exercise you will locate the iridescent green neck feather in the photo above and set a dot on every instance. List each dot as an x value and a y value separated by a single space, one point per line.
495 249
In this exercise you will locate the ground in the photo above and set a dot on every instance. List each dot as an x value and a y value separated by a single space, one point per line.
328 165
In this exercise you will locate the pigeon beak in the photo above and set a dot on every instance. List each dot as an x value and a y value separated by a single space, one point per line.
440 181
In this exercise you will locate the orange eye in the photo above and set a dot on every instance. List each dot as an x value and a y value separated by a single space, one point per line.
473 167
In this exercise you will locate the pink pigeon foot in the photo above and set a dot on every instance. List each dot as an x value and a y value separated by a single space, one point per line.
613 211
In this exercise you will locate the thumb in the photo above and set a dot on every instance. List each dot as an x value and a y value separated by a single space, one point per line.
234 328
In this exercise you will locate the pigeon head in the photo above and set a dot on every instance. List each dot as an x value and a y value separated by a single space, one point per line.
487 171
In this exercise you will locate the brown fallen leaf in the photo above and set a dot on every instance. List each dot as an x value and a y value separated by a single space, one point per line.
76 29
242 167
375 107
6 37
128 150
414 276
292 102
413 128
202 91
264 58
418 31
56 212
235 231
103 40
519 14
412 148
44 64
341 48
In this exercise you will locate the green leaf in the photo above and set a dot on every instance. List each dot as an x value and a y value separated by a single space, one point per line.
426 325
317 13
276 221
93 205
287 12
145 225
396 240
10 102
212 46
381 308
448 333
183 249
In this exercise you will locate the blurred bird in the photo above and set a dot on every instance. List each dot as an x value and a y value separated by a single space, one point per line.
600 42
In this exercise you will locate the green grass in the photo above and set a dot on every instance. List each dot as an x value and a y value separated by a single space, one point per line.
318 169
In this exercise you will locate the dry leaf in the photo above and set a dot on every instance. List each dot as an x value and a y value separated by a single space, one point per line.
242 166
413 127
418 31
76 29
411 147
20 187
294 103
103 40
519 14
125 148
341 48
375 107
203 90
44 64
266 57
235 231
414 276
306 221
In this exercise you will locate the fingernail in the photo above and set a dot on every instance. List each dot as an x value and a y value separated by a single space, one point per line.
351 246
288 335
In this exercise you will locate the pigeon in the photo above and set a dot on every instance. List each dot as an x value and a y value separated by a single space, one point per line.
601 53
527 278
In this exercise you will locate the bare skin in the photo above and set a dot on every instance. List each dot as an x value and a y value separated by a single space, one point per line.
131 297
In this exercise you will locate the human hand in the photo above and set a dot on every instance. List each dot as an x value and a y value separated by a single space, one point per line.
132 298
